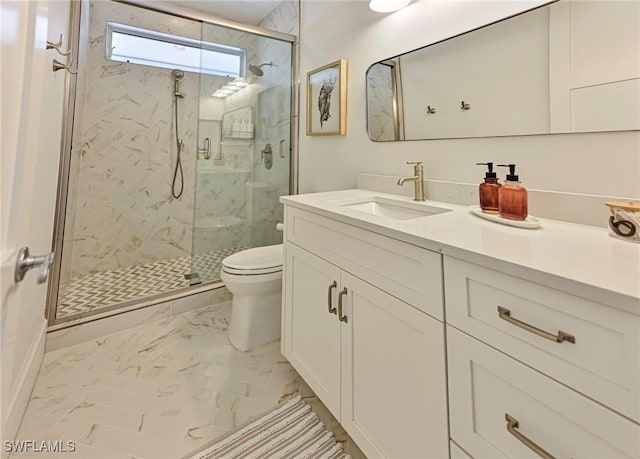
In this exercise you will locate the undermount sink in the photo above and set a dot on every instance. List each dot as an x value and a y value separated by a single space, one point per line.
394 210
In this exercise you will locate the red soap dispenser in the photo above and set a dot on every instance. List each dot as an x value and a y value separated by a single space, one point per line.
512 196
488 190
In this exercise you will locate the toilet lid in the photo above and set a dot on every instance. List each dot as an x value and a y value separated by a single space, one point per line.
259 260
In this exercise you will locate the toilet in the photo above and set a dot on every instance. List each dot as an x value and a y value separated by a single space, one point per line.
254 277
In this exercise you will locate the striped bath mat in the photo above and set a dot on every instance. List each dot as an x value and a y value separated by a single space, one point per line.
290 431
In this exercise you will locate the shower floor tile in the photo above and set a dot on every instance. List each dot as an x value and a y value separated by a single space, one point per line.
157 391
107 288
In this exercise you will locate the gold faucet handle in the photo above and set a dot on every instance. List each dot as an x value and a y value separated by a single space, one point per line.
417 166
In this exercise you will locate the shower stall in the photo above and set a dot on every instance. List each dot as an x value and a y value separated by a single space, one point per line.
178 147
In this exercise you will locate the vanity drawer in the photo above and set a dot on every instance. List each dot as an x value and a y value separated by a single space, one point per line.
603 362
486 386
410 273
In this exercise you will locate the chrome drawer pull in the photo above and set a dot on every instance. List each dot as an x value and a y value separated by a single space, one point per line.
505 314
340 295
512 425
331 287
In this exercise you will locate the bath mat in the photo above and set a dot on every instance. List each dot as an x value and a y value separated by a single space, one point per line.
291 430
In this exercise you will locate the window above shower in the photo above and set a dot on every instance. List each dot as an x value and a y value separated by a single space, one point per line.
135 45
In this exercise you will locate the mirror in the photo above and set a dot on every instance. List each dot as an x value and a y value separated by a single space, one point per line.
563 67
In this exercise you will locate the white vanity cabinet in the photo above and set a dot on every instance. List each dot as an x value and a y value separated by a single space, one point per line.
529 363
381 369
541 332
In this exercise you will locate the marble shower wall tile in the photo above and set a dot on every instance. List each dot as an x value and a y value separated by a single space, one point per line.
284 18
122 212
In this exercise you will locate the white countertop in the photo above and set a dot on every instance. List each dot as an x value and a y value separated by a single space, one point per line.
582 260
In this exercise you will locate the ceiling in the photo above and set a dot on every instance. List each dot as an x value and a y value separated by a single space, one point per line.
245 11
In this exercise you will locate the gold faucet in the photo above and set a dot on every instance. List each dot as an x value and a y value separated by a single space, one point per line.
418 169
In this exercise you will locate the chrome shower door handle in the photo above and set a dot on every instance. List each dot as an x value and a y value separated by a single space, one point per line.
343 318
332 310
26 261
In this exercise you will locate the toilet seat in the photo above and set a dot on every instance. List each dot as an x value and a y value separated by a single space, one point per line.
256 261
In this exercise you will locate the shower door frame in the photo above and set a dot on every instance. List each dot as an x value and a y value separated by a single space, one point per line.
65 157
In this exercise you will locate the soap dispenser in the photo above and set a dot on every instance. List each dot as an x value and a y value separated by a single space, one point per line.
512 196
488 190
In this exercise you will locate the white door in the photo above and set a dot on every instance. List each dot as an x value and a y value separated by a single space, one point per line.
311 338
394 393
31 108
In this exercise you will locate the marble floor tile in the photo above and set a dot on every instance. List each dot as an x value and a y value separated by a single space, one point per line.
156 391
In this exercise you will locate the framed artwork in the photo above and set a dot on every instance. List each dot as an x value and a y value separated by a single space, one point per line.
327 99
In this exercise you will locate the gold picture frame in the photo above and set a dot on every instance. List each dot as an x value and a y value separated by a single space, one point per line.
326 103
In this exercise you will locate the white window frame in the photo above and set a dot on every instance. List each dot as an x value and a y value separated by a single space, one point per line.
176 40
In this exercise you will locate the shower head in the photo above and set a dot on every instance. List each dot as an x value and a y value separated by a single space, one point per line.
256 70
177 74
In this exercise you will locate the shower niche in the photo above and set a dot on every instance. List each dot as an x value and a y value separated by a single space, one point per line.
127 239
238 124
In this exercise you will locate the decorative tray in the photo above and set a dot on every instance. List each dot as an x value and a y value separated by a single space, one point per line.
529 222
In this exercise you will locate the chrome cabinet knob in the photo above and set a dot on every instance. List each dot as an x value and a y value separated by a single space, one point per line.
26 261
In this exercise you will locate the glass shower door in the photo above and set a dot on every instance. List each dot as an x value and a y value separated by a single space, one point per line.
244 140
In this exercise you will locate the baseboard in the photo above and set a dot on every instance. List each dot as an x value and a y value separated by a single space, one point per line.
23 387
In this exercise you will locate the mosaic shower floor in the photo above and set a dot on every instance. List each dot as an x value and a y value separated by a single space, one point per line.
107 288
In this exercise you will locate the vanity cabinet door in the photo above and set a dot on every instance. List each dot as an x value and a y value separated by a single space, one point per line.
393 375
311 334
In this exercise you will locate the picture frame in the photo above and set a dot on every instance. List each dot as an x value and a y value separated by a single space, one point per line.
327 99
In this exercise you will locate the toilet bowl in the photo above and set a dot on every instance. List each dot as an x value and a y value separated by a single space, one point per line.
254 278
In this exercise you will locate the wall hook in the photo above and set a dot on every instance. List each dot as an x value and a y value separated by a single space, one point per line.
56 46
430 110
464 106
57 65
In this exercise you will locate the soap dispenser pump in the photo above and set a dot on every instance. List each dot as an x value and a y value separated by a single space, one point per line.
488 190
512 196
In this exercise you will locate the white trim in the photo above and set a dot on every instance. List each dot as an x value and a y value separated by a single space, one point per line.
23 387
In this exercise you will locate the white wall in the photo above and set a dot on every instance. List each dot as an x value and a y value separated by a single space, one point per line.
606 164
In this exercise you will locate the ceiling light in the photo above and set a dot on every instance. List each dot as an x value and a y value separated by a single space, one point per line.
387 6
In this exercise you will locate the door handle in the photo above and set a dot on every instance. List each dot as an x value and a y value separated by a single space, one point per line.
26 261
332 310
342 318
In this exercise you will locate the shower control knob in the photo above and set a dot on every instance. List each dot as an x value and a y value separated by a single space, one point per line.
267 156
